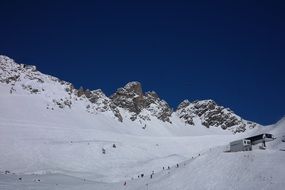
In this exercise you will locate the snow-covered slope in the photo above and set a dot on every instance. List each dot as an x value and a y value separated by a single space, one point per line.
205 165
39 140
215 169
52 132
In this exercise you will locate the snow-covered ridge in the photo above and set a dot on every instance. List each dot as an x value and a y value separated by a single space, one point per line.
129 103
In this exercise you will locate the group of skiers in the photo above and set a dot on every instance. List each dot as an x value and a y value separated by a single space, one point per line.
152 173
163 168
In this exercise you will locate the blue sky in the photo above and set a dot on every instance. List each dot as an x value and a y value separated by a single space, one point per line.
229 51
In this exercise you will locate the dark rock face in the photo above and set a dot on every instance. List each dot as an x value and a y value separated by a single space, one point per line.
150 98
12 79
95 95
80 91
163 111
212 115
185 113
116 112
92 96
102 103
132 98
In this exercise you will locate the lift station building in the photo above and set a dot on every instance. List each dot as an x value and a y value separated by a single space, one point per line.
246 143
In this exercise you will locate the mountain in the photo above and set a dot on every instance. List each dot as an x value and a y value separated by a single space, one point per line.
127 103
54 136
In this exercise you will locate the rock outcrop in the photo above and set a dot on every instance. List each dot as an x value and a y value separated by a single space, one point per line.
212 115
132 98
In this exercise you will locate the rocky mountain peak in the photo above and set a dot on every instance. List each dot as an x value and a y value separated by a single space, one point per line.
205 105
134 87
212 115
132 98
185 113
183 104
129 97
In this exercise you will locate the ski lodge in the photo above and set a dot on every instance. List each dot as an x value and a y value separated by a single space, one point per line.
246 143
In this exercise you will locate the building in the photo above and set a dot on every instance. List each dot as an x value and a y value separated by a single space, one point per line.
262 138
246 143
240 145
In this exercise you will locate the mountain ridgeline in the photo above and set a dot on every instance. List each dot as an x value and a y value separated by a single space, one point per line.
127 103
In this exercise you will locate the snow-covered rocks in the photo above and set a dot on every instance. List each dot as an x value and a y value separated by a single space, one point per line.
212 115
132 98
159 108
129 102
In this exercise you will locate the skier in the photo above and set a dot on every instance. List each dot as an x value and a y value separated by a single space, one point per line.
125 183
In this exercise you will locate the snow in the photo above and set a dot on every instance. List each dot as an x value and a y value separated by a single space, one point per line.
47 147
63 147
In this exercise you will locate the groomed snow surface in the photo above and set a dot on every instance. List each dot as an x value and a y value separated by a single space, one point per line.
62 149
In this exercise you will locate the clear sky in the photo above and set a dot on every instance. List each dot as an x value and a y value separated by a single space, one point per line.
230 51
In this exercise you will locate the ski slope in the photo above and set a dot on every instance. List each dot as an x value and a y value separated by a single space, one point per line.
36 140
213 169
63 150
